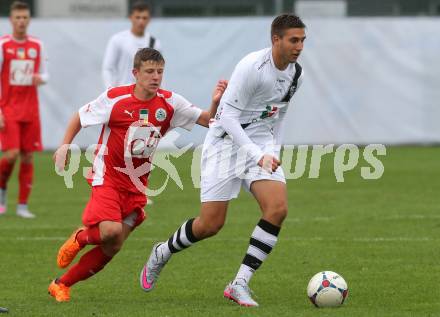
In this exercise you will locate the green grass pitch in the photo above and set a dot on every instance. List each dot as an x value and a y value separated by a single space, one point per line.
381 235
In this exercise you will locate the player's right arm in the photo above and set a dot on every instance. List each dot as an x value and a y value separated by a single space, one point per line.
96 112
242 86
109 64
60 157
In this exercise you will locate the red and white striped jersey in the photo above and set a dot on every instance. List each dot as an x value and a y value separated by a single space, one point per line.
131 130
19 61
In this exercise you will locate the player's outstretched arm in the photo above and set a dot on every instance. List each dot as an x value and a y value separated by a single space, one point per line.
205 116
60 156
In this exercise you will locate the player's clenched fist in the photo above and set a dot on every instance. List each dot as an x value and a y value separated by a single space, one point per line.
269 163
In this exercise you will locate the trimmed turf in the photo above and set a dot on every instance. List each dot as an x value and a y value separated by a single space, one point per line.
381 235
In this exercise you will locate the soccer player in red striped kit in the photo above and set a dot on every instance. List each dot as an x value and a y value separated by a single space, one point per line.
23 67
133 118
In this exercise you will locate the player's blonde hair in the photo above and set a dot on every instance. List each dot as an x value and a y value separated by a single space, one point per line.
147 54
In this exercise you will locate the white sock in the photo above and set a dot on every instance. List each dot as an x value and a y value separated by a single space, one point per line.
263 239
22 207
244 274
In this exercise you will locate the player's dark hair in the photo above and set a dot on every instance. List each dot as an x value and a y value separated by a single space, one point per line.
19 5
147 54
284 22
139 6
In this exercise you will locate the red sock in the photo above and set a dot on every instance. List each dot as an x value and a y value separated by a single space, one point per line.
90 263
5 172
25 176
90 235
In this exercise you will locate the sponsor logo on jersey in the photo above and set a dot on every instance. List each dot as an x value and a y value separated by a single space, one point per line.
10 51
160 115
269 112
32 53
130 113
21 53
143 116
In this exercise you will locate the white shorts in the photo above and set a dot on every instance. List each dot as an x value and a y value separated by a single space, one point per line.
225 168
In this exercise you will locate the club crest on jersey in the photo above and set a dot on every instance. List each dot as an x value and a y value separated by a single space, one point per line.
143 116
21 53
160 115
32 53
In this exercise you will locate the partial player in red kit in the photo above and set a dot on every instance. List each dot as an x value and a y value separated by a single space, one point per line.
133 119
23 67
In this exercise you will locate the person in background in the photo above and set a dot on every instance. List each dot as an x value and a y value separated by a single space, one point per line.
118 58
23 68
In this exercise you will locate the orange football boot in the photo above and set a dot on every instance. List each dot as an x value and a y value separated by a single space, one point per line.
69 250
59 291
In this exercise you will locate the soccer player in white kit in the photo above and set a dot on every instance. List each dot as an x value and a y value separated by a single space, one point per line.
242 147
121 48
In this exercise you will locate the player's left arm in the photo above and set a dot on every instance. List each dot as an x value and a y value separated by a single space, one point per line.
205 116
42 77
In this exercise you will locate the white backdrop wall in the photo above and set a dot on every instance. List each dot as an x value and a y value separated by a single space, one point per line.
366 80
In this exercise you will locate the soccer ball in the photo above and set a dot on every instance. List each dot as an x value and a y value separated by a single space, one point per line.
327 289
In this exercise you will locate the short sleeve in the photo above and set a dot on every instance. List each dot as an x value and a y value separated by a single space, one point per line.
242 85
185 113
96 112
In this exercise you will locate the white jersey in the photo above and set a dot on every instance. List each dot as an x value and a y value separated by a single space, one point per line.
250 118
258 90
118 59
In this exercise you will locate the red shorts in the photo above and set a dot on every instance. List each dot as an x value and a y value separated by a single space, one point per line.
109 204
24 136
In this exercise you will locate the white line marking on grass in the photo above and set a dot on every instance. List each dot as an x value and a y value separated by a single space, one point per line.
301 239
412 217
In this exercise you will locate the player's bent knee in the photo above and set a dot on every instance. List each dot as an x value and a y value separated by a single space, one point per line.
214 228
112 233
209 229
276 213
